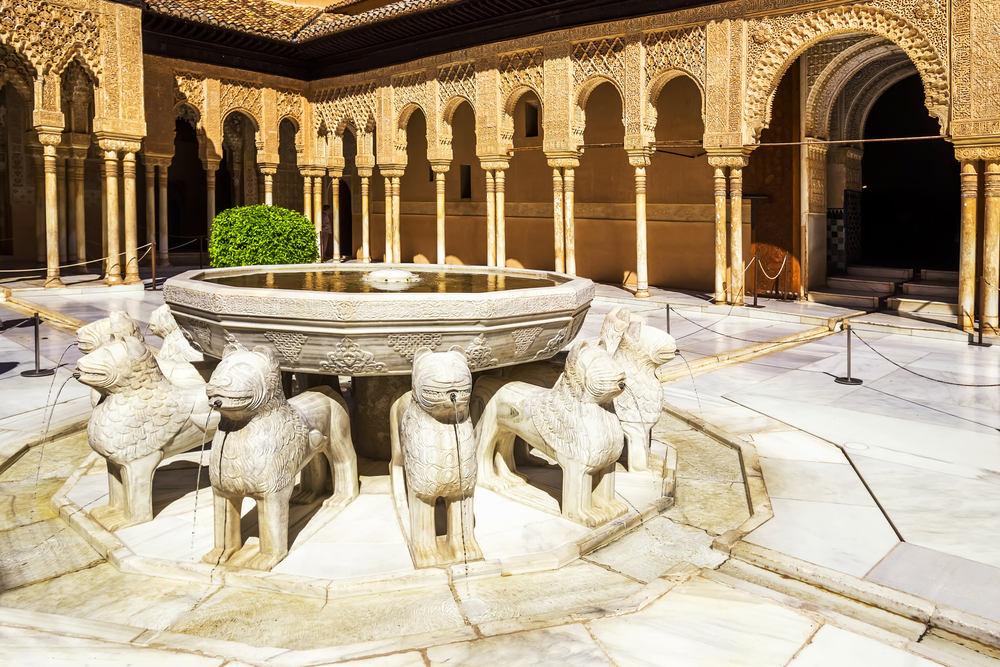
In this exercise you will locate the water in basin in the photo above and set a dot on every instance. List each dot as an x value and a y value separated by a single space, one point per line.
352 281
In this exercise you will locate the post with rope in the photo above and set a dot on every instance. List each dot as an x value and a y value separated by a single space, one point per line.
37 371
152 259
982 315
756 268
848 379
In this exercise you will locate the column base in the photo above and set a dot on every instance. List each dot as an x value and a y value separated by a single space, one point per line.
642 294
163 260
132 280
52 282
113 280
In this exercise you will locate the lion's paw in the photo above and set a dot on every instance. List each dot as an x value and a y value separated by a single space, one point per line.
264 561
218 556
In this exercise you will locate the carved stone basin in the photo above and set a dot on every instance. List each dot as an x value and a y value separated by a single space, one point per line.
328 319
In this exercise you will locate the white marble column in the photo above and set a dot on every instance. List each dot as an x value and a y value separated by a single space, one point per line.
62 200
736 234
79 207
307 199
366 256
501 246
558 220
639 159
991 243
210 169
397 255
150 199
163 245
268 172
389 217
440 169
131 222
720 232
317 206
40 250
113 275
569 218
49 142
491 219
967 251
335 210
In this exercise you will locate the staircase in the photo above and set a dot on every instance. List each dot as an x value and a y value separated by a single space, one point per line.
934 293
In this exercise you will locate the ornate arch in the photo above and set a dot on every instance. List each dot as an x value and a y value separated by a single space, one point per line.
861 105
187 112
583 93
242 96
783 50
15 70
655 87
50 35
403 119
508 105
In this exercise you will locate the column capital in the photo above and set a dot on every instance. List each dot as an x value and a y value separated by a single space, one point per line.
210 165
335 173
719 160
498 162
639 157
440 166
364 172
964 153
156 160
49 138
119 143
392 170
557 159
268 169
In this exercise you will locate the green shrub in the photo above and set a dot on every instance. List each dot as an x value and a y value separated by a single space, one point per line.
255 235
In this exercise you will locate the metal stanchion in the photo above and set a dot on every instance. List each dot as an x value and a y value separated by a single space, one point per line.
38 371
848 379
756 268
982 312
152 257
201 263
668 318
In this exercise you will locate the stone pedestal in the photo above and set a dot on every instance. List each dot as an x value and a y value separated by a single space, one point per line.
373 396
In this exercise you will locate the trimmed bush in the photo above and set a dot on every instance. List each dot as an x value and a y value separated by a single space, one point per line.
260 234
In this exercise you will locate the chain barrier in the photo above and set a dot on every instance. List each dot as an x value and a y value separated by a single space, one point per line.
66 266
920 375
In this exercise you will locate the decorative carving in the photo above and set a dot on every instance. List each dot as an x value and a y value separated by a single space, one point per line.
408 89
458 81
262 443
349 359
243 96
676 49
49 35
479 354
290 105
434 451
408 344
601 57
763 33
640 349
925 9
521 68
353 104
175 346
569 423
203 333
554 345
288 344
523 338
189 88
142 419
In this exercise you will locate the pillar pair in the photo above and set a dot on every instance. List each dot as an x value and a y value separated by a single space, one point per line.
312 203
967 281
440 168
113 273
365 173
158 230
563 204
496 217
392 250
729 263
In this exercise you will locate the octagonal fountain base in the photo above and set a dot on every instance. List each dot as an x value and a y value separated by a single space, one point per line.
358 549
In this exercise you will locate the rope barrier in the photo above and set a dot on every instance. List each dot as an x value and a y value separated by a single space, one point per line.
775 276
920 375
66 266
718 333
176 247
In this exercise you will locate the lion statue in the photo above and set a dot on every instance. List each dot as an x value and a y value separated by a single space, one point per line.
143 418
175 346
263 441
640 349
434 456
572 423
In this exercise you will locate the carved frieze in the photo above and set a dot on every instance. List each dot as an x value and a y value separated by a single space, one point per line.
349 359
408 344
288 344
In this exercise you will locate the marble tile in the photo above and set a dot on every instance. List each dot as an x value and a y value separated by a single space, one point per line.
408 659
941 577
941 512
346 560
846 538
653 548
565 646
40 551
704 623
814 388
795 446
833 647
579 584
32 647
819 482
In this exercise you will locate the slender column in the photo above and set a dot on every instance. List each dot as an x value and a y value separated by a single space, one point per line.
366 255
318 209
62 199
389 218
210 169
113 276
335 210
40 252
79 211
131 224
569 181
104 218
991 251
268 173
397 255
501 248
49 143
162 247
557 215
720 234
967 252
307 198
640 160
736 234
491 219
439 171
150 200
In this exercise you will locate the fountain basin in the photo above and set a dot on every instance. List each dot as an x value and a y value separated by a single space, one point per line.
328 319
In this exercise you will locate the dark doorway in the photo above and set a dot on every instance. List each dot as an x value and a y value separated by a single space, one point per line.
346 220
187 189
910 189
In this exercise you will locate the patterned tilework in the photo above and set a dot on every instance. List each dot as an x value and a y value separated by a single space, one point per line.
836 242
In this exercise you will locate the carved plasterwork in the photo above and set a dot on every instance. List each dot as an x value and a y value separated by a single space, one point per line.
521 69
349 359
352 105
50 35
479 354
524 338
604 58
985 59
676 49
14 70
457 81
242 96
867 86
290 105
408 90
190 88
408 344
805 30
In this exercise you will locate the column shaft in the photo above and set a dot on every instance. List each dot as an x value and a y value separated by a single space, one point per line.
439 186
501 248
62 201
318 210
736 234
991 243
335 209
51 219
389 217
307 187
557 217
641 270
967 251
131 224
210 204
569 184
365 240
720 234
40 249
268 186
163 244
113 276
79 212
491 219
397 255
150 203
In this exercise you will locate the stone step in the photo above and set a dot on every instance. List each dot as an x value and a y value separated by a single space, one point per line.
898 275
924 306
932 288
861 284
845 298
939 276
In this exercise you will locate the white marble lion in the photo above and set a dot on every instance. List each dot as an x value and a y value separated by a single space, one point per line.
572 423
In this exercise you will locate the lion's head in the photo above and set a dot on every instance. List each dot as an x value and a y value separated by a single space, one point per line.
91 336
162 322
113 365
438 377
595 376
622 327
244 381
